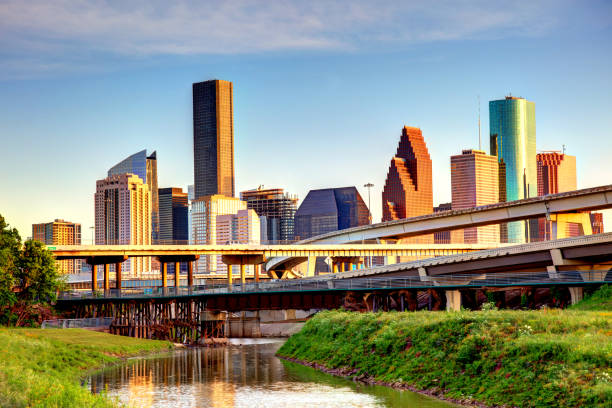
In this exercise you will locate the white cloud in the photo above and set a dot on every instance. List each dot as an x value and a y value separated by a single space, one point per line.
59 29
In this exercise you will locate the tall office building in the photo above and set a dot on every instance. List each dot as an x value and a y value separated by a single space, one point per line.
240 228
60 232
173 216
123 216
556 173
213 138
328 210
204 212
512 129
190 198
474 182
278 209
408 187
145 167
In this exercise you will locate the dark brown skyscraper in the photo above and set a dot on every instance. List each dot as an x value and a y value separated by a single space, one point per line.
213 138
408 188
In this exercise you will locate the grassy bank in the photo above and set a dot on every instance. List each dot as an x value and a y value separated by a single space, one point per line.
547 358
42 368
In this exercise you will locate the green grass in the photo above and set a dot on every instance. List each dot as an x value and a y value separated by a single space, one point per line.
42 368
547 358
601 299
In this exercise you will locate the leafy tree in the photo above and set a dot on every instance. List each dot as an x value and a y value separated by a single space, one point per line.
38 279
10 245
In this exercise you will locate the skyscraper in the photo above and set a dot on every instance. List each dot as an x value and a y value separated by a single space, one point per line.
60 232
213 138
279 210
144 167
204 212
408 187
328 210
512 129
173 216
475 182
123 216
556 173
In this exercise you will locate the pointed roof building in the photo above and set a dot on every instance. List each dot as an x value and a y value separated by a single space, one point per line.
408 188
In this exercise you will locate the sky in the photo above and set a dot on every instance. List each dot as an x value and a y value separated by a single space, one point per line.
321 90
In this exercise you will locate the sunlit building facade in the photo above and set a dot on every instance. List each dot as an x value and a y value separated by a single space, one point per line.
204 212
240 228
145 167
475 182
512 129
213 138
123 217
60 232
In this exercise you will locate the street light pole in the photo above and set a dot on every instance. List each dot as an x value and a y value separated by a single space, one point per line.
92 235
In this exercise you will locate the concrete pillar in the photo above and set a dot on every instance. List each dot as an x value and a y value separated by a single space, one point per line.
242 273
576 294
335 266
229 274
190 273
106 279
453 300
256 269
311 265
94 277
177 274
118 275
164 272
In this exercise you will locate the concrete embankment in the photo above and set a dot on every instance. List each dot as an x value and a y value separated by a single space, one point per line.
548 358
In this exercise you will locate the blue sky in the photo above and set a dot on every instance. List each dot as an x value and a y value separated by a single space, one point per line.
321 89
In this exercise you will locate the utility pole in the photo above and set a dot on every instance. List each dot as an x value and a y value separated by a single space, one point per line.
369 186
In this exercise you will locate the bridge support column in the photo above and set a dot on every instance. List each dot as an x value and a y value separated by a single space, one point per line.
177 274
190 273
94 277
242 273
118 275
561 221
256 272
106 280
453 300
335 267
576 294
164 272
229 275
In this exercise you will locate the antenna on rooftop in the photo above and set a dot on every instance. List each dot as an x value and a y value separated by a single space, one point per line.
563 149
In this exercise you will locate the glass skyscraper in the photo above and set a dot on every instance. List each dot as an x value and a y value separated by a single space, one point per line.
213 138
512 128
145 167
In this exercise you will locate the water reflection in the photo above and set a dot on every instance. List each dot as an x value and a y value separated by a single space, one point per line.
240 376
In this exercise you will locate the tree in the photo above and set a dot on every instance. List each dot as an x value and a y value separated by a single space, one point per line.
10 245
38 279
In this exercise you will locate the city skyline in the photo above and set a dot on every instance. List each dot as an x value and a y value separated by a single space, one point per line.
359 94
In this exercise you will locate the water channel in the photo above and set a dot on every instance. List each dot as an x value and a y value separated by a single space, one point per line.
240 375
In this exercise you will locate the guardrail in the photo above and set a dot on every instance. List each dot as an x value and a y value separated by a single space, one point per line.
578 278
76 323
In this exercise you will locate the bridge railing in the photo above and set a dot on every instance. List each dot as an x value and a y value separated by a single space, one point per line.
577 278
76 323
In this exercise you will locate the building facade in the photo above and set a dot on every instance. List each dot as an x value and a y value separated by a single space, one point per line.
240 228
474 182
408 187
328 210
556 172
278 209
204 212
512 130
60 232
145 167
213 138
123 217
173 216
